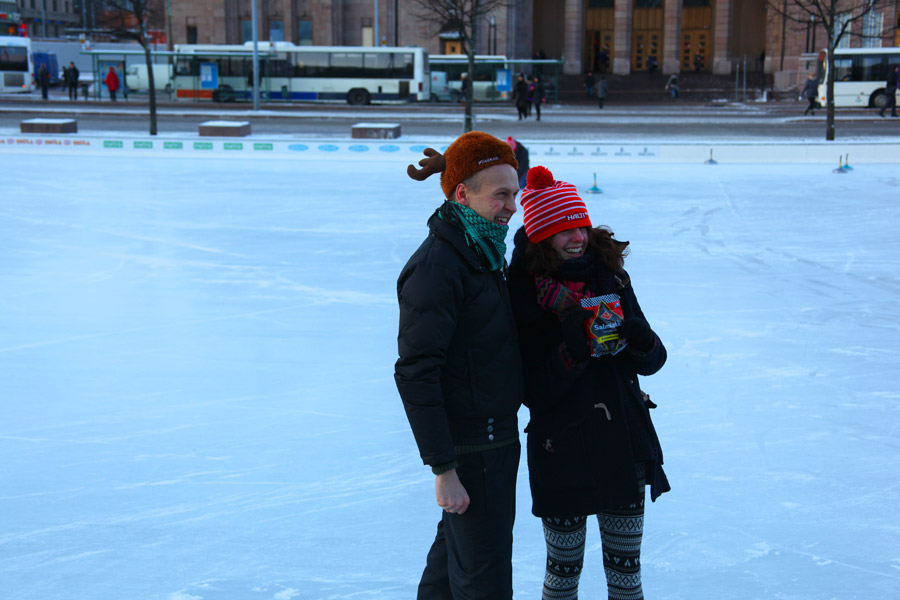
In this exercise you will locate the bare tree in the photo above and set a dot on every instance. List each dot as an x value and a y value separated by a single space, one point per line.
839 18
461 17
131 20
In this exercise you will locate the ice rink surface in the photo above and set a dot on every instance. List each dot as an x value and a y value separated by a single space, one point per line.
197 402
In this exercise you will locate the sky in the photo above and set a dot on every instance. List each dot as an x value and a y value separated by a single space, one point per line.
197 397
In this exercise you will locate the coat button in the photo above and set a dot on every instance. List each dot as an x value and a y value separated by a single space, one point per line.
490 428
491 420
491 437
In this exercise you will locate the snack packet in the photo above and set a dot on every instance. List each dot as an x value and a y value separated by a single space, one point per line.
603 329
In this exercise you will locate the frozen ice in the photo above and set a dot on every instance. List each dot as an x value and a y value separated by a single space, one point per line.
197 402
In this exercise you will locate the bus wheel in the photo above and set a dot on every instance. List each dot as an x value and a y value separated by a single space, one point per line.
357 96
878 99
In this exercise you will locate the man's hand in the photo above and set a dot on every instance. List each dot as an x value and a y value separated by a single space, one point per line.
450 493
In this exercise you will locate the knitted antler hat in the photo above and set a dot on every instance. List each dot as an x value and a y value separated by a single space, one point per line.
550 206
469 154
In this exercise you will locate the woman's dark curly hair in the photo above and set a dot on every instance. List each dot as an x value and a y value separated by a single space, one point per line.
542 259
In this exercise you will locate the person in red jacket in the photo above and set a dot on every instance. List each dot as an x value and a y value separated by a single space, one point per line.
112 83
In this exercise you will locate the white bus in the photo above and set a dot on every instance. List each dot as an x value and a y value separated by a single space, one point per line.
351 74
16 64
454 65
859 75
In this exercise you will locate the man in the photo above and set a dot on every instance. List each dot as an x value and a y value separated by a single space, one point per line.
71 80
459 373
538 95
520 97
589 84
891 89
44 81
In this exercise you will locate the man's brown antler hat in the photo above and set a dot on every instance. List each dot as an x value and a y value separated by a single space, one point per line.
469 154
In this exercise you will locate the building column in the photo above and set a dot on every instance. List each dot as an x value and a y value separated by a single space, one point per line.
624 17
671 55
573 27
722 37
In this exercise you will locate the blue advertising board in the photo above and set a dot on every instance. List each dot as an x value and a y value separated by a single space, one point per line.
209 76
504 80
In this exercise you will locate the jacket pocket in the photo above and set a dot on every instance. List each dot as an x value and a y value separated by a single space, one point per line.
560 460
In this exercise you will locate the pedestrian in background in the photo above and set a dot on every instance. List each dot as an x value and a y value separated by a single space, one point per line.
810 92
589 84
602 91
520 97
538 94
592 447
521 157
71 80
44 81
891 88
112 83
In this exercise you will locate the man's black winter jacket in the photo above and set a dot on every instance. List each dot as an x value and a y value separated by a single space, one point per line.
459 373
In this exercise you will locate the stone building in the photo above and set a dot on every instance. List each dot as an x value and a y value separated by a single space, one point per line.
42 18
619 36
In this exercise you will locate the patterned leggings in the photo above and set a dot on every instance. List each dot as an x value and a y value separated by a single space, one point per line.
620 532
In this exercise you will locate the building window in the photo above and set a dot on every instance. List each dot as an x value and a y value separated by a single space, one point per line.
839 22
276 31
54 5
246 31
191 34
872 28
304 32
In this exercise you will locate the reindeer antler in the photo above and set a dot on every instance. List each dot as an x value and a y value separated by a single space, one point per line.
433 163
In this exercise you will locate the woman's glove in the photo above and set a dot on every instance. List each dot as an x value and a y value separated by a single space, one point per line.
575 333
638 334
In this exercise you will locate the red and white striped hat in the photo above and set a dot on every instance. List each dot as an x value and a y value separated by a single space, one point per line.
550 206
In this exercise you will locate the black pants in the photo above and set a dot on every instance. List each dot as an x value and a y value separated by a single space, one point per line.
112 95
537 109
523 111
891 104
471 557
73 92
811 107
44 92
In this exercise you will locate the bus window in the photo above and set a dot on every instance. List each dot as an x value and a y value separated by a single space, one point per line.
869 68
310 64
187 66
377 66
14 58
403 65
346 64
843 68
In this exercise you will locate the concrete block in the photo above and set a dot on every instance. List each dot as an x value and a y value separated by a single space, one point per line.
376 131
49 126
224 129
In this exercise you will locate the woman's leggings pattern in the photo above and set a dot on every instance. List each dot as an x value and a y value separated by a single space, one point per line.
620 532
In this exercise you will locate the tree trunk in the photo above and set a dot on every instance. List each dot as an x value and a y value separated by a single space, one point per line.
149 60
829 86
470 90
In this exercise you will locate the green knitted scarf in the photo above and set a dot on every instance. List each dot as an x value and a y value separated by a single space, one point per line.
488 239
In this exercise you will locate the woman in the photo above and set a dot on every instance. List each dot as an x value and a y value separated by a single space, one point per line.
591 445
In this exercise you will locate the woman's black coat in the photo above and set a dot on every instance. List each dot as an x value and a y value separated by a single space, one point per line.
590 423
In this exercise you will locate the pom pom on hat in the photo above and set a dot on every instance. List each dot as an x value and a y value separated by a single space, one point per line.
539 178
550 206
